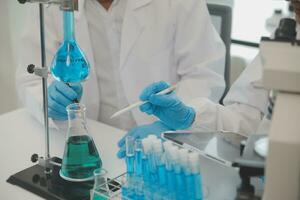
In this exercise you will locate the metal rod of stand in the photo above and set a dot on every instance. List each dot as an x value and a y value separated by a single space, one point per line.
45 88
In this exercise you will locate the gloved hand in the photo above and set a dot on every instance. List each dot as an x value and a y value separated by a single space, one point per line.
168 108
60 95
141 132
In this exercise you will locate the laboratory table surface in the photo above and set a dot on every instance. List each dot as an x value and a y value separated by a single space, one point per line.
22 135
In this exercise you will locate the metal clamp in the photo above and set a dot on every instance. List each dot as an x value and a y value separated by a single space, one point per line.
39 71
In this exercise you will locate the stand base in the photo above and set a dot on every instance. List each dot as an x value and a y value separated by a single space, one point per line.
51 186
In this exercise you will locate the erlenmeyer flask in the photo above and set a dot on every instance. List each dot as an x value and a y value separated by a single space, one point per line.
81 157
69 63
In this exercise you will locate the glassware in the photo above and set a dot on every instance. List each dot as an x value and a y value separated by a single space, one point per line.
81 157
69 63
138 157
130 151
100 186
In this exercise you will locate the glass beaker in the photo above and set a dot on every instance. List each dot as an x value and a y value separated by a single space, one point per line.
101 188
81 157
69 64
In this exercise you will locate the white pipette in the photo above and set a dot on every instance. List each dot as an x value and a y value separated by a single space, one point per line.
139 103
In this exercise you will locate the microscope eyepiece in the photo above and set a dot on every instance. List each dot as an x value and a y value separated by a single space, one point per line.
286 30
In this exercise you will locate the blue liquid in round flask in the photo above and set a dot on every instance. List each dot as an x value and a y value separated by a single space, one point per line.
69 64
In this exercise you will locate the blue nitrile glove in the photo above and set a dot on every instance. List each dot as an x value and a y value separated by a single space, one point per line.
141 132
168 108
60 95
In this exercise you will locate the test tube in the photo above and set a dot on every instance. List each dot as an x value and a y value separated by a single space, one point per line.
145 161
138 157
130 155
183 159
196 176
169 169
179 175
160 162
190 191
152 160
128 189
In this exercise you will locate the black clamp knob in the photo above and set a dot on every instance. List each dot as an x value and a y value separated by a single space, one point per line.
34 158
22 1
30 68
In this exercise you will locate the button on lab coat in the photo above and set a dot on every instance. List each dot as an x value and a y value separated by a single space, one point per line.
170 40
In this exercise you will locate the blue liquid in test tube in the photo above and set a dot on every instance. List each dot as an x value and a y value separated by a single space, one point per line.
153 168
162 176
190 186
130 155
170 180
198 186
170 176
153 172
146 170
196 176
138 158
160 162
145 160
130 164
128 192
179 181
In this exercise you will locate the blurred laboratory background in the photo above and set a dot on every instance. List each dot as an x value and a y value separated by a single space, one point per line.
245 38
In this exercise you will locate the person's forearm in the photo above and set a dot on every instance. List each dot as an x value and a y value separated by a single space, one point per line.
236 117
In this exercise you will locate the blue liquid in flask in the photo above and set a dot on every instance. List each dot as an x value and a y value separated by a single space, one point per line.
69 63
81 158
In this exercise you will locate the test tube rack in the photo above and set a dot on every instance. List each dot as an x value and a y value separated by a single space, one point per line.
112 189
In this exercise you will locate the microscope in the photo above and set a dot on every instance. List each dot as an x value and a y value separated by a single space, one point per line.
281 73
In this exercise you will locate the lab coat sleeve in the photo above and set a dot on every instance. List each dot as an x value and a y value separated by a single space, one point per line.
237 117
199 53
245 105
29 86
244 91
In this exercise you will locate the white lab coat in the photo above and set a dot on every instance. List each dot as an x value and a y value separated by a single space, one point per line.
244 105
170 40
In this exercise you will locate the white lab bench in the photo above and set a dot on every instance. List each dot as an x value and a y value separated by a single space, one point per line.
21 136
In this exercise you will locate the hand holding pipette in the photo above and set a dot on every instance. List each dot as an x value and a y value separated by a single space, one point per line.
168 108
167 90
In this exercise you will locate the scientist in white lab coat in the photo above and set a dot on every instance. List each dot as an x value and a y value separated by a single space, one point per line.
130 44
244 109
